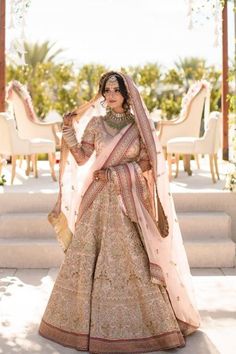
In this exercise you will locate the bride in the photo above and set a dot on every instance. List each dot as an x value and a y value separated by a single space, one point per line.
124 285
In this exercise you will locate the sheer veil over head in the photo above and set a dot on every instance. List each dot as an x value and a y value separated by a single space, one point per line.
164 245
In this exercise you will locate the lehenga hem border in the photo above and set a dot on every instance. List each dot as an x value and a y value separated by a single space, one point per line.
96 345
186 328
163 341
63 337
62 343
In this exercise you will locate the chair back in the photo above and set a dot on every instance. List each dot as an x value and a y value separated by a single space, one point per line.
28 125
25 125
213 132
10 142
211 140
189 122
5 138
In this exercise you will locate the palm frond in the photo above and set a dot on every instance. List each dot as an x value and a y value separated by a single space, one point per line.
40 52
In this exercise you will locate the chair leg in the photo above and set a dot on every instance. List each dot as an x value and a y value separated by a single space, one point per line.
169 160
13 169
52 159
187 164
212 168
34 159
216 166
27 172
21 160
177 165
165 152
196 157
184 162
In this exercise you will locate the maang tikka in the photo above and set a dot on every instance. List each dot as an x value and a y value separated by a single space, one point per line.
112 80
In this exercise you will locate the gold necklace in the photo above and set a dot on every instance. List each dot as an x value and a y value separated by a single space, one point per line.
118 120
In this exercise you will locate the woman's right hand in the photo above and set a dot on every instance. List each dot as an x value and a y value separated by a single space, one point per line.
68 118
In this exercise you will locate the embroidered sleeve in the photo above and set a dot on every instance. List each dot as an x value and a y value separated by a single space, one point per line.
143 158
81 151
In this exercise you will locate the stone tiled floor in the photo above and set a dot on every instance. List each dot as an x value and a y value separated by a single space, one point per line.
24 294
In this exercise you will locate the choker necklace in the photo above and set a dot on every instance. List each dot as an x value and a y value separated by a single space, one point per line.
118 120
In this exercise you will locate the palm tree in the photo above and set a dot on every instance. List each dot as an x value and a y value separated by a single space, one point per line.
40 53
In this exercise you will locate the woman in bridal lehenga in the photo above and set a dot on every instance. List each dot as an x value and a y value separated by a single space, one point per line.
124 285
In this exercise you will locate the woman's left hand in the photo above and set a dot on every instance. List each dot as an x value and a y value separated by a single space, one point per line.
100 175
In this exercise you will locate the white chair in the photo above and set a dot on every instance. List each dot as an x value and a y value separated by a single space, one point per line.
13 145
208 144
189 121
28 124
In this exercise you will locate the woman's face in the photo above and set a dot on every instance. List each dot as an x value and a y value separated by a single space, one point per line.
113 96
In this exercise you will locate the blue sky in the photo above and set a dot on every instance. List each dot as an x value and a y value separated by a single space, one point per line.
123 32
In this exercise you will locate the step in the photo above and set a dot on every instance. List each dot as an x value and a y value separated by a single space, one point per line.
193 225
28 253
223 201
204 201
27 202
44 199
213 225
29 225
210 253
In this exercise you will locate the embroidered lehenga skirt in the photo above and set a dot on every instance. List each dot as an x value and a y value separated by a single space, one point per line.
103 300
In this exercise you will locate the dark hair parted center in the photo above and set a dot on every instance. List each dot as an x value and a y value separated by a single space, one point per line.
123 90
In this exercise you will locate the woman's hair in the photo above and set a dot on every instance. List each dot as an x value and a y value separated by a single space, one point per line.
123 90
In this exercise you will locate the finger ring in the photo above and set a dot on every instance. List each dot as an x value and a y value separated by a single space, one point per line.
96 178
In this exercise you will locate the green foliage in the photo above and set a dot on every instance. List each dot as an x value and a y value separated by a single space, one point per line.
173 77
177 81
87 80
231 181
213 76
61 87
190 69
173 89
52 86
232 103
232 87
147 78
2 180
19 73
187 71
170 105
